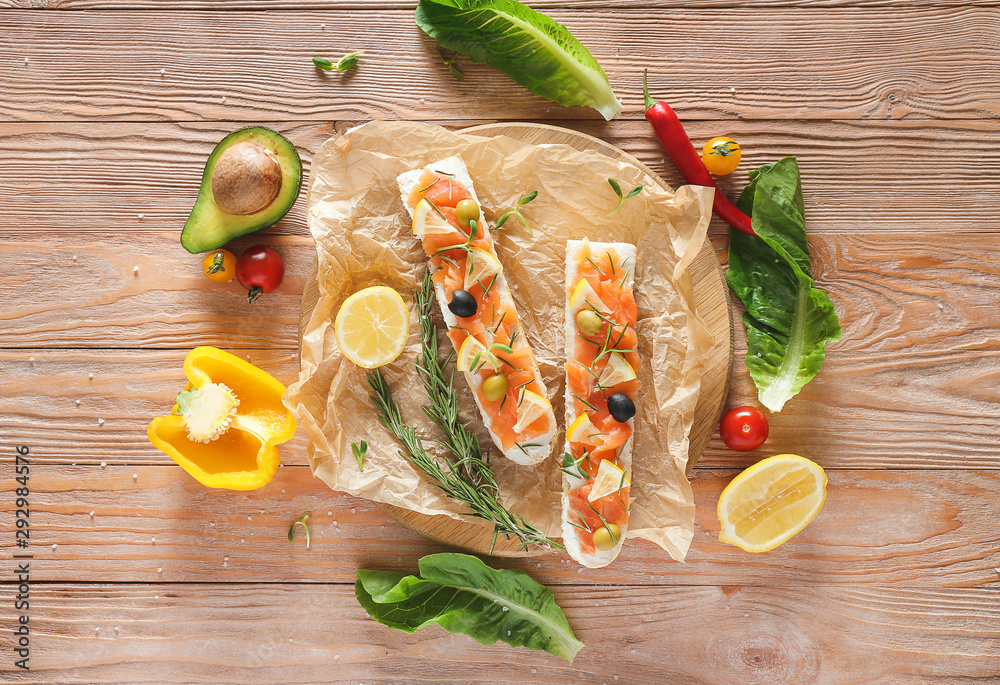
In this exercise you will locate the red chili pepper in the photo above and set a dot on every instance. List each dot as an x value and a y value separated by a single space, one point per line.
678 147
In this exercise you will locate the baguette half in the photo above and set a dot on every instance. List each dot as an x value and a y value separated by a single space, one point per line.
533 447
581 517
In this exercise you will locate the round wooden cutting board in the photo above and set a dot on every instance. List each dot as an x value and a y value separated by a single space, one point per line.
711 302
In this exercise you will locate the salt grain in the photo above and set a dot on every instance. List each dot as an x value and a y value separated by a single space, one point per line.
330 513
54 545
156 596
100 422
116 629
25 60
78 403
91 513
135 269
141 216
746 615
223 98
249 518
225 563
135 476
163 71
31 359
159 570
153 541
732 90
103 464
90 376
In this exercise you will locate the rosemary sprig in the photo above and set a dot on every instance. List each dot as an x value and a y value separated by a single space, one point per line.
467 477
517 212
618 191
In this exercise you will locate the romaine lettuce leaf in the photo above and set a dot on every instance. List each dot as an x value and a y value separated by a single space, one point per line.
788 319
533 49
463 595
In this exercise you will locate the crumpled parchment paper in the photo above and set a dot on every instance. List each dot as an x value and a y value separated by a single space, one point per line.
363 237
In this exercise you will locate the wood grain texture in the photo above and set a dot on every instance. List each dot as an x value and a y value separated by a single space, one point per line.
859 177
207 633
906 528
796 63
546 5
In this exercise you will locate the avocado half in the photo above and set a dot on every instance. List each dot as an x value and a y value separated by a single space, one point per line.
251 180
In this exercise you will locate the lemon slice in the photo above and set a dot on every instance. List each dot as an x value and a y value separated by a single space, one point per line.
530 405
473 356
609 479
481 266
372 326
770 502
617 371
428 222
583 430
585 293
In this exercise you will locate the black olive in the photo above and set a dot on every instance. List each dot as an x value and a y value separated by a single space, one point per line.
463 304
621 407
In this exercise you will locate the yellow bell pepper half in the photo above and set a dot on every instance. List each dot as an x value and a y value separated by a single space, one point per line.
241 452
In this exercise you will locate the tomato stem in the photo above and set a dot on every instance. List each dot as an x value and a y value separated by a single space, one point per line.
254 293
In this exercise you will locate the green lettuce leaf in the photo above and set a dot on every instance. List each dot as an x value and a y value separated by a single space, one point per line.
533 49
788 319
463 595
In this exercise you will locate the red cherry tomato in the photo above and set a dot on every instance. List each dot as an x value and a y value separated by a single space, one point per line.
744 429
259 270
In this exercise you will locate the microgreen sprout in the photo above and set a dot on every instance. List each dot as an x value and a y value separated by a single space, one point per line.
618 191
449 62
305 527
517 212
348 61
359 453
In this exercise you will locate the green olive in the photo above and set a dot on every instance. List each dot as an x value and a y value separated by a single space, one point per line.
466 210
606 537
588 321
495 387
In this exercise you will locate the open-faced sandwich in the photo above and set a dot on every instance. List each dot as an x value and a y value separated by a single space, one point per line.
493 352
601 363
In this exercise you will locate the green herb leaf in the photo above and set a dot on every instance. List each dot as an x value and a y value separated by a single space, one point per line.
531 48
788 319
349 61
527 198
359 453
323 63
463 595
615 187
635 191
305 527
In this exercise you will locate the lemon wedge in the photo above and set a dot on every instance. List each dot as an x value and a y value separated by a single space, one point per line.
481 266
426 221
617 371
530 406
372 326
585 293
770 502
473 356
584 431
609 479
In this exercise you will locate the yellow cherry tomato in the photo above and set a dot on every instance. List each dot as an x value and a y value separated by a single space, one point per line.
220 265
721 155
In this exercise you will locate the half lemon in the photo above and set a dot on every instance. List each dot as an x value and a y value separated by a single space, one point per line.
372 326
770 502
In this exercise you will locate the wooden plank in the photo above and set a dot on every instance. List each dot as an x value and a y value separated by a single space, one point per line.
799 63
153 523
862 177
200 633
546 5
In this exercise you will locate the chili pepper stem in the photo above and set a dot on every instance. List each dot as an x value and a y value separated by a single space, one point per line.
645 90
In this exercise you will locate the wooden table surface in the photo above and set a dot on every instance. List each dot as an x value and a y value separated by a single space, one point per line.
108 109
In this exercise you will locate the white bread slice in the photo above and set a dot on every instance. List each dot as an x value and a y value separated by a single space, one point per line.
571 538
535 449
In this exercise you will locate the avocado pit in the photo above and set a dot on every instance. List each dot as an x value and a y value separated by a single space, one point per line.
246 179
